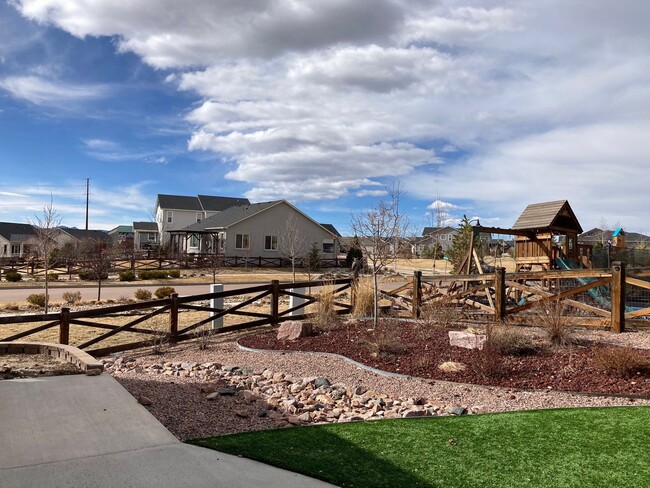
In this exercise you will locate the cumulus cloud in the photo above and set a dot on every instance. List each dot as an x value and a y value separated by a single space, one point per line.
528 100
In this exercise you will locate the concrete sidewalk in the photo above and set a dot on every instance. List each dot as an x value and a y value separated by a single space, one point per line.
88 431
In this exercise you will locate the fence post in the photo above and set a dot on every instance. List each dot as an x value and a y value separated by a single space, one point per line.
417 293
173 317
216 303
618 296
64 326
295 301
499 294
275 302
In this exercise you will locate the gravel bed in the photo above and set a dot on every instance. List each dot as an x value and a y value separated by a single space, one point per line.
177 401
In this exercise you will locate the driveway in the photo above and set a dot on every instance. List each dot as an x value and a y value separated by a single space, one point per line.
88 431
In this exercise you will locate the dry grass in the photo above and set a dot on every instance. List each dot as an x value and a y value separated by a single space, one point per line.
159 324
621 361
363 298
385 341
439 313
324 308
509 341
553 320
451 367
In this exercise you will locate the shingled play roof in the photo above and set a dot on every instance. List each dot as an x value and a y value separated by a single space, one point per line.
556 215
199 203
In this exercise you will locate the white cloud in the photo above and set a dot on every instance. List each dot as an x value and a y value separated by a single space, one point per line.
41 91
371 193
439 204
315 100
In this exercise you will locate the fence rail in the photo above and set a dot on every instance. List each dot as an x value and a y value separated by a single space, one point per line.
613 298
142 262
171 311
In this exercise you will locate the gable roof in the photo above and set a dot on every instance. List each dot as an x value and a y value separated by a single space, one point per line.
121 229
179 202
332 229
7 229
83 234
199 203
145 226
234 215
230 216
219 204
556 215
434 230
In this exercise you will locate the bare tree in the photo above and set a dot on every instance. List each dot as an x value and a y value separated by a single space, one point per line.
292 242
45 225
384 227
99 258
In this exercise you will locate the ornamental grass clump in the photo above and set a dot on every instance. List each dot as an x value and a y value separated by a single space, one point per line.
621 362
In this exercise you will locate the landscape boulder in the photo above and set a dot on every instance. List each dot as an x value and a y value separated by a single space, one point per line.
292 330
466 340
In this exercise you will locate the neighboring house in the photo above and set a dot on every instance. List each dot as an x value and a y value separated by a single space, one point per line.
602 237
17 240
122 233
71 236
255 230
431 235
145 235
176 212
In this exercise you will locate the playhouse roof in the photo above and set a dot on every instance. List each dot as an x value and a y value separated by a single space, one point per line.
552 216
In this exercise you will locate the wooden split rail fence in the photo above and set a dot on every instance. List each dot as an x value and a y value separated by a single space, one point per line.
588 297
175 328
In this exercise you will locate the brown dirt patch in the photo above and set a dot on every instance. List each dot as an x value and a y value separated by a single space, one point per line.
404 347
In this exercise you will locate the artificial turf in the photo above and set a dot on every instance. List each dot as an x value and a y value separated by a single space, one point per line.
608 447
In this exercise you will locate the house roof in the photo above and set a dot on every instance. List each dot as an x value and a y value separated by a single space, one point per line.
219 204
83 234
556 215
122 229
145 226
234 215
434 230
230 216
7 229
179 202
332 229
199 203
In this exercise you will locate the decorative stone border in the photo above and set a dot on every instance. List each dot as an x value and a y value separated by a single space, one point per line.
71 354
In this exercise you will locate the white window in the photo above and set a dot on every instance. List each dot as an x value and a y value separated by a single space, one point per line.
152 237
270 243
194 241
242 241
222 240
15 249
328 246
170 216
199 216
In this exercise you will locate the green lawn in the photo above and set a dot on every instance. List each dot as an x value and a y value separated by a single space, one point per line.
608 447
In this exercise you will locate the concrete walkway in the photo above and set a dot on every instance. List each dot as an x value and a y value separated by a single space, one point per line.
88 431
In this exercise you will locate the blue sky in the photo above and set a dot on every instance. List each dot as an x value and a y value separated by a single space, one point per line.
487 105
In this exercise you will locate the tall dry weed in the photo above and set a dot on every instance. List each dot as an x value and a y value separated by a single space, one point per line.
324 308
553 319
363 299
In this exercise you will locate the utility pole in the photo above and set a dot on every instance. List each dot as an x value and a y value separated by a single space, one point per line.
87 198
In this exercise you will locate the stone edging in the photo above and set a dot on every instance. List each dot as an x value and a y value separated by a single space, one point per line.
71 354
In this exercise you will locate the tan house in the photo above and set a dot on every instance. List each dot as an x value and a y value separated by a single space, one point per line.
257 229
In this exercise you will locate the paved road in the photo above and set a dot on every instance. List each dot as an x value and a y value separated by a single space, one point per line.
16 295
83 431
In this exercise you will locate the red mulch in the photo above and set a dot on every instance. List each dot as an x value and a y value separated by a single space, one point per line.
568 369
